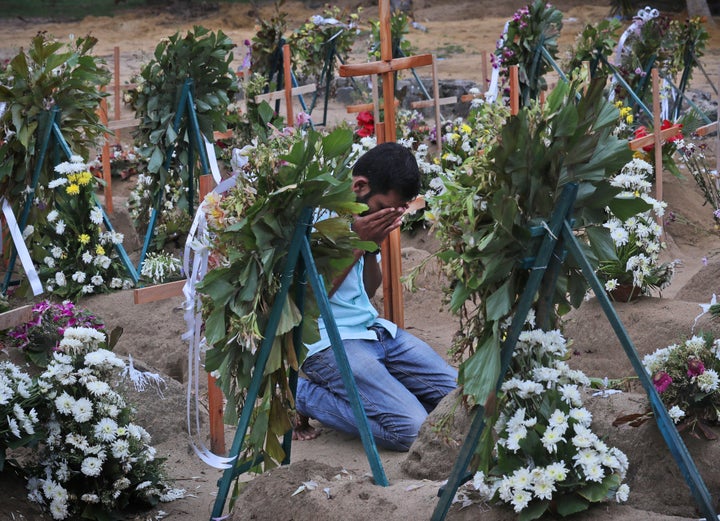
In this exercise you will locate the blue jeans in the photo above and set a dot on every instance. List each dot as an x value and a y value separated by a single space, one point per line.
399 381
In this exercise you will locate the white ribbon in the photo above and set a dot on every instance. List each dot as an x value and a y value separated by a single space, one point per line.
196 245
492 92
212 159
21 248
643 15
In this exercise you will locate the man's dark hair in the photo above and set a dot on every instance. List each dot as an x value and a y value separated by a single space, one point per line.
390 166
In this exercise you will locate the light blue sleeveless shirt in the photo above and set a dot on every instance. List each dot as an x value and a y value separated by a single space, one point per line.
353 312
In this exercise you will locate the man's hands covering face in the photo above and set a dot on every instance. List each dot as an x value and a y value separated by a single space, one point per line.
377 225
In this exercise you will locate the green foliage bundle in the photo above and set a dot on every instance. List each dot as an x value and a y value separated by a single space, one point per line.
250 229
595 41
313 42
399 27
50 74
205 58
488 206
531 29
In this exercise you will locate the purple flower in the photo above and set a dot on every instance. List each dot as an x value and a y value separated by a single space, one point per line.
695 367
662 381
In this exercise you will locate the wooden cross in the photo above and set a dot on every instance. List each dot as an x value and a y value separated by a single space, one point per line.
386 68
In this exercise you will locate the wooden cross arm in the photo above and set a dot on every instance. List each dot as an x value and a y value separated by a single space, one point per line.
707 129
469 97
280 94
366 107
431 102
644 141
384 67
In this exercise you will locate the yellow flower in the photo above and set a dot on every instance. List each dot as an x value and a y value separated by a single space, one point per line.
630 119
466 128
84 178
72 178
73 189
99 250
84 238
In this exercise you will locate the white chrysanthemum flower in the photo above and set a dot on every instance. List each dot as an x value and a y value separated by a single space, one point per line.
90 498
583 438
558 419
520 499
543 486
58 509
52 216
79 276
103 358
551 437
96 215
515 437
571 395
60 227
98 388
60 181
120 449
49 262
676 414
581 415
91 466
96 280
116 283
594 472
623 491
611 284
586 457
106 429
82 410
171 494
557 471
64 403
56 252
708 381
87 257
14 427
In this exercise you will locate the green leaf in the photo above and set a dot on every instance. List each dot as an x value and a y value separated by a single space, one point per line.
601 243
336 143
624 208
215 326
500 302
479 373
534 510
570 504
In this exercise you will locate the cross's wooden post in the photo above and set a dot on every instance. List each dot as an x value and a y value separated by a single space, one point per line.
287 76
107 174
658 139
514 90
386 67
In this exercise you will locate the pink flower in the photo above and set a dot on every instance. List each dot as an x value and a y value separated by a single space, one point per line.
301 119
695 367
662 381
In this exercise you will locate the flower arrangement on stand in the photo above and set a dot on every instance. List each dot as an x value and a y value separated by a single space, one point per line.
685 376
89 458
95 460
637 240
547 458
77 255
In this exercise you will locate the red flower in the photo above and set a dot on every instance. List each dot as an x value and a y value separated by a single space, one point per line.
366 121
641 131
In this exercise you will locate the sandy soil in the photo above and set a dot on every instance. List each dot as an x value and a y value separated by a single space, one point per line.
152 331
